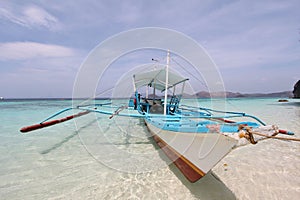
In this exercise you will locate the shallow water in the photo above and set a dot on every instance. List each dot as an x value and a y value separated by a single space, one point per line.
94 157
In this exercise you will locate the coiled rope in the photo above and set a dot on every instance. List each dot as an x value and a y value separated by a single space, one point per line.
249 135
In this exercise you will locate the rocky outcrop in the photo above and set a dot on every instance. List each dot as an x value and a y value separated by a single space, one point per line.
296 91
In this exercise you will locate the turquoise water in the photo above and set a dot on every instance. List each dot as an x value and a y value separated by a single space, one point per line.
94 157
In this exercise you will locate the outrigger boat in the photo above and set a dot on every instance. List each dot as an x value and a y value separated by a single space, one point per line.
194 138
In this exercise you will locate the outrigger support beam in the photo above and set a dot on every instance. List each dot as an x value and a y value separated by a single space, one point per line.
52 122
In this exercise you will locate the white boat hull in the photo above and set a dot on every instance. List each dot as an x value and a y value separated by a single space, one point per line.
199 151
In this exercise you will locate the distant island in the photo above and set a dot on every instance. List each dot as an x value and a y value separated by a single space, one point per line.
202 94
205 94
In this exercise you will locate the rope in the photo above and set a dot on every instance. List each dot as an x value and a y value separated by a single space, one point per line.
191 74
94 97
276 137
118 111
250 133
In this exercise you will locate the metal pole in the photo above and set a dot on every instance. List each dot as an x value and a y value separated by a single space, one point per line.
167 83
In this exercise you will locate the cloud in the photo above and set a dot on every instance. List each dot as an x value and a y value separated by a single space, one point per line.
30 50
37 16
30 16
234 51
263 34
242 37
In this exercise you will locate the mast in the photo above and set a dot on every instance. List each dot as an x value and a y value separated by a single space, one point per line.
134 88
147 91
167 83
154 92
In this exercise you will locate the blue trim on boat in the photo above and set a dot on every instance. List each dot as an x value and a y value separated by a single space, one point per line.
190 126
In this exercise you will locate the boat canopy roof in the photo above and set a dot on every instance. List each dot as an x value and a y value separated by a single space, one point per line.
157 79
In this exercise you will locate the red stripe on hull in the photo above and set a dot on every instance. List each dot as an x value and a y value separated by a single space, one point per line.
187 168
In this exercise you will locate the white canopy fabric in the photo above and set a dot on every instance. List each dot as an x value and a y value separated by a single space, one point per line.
157 79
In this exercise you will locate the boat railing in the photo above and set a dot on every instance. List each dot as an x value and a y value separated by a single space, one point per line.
229 114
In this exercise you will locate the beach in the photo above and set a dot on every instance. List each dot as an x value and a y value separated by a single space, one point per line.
75 160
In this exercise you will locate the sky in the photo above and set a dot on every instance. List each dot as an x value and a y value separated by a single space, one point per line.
255 44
